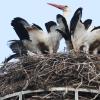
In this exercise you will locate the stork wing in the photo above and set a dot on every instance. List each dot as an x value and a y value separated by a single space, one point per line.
19 25
51 25
95 28
39 39
62 23
11 57
77 28
66 36
63 27
35 26
35 32
87 23
75 19
67 39
54 36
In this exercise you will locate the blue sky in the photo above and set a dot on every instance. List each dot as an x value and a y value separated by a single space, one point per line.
37 11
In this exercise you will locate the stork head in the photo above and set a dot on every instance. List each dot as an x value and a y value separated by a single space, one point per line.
61 7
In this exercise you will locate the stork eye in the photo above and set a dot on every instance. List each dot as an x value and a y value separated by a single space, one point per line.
66 6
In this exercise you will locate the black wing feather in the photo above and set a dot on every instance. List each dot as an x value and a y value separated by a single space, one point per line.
37 27
87 23
77 15
49 24
95 28
19 25
64 22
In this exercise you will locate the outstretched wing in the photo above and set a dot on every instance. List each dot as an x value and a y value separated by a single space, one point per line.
75 19
63 26
19 25
50 26
87 23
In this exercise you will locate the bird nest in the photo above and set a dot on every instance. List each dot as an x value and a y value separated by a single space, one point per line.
56 70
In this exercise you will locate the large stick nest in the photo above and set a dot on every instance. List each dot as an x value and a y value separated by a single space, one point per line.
56 70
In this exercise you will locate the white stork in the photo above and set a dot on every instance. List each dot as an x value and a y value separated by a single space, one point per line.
81 38
32 36
54 36
65 34
55 30
78 29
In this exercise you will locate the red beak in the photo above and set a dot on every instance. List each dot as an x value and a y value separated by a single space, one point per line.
61 7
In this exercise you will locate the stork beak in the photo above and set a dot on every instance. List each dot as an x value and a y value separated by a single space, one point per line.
61 7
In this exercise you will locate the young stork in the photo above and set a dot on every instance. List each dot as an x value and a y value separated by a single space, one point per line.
32 36
79 30
81 38
55 30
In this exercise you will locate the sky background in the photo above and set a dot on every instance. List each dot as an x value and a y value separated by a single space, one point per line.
37 11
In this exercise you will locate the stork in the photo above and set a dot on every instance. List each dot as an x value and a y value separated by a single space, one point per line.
65 34
54 36
32 36
78 29
81 37
55 31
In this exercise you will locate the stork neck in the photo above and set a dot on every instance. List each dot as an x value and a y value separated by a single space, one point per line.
65 13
